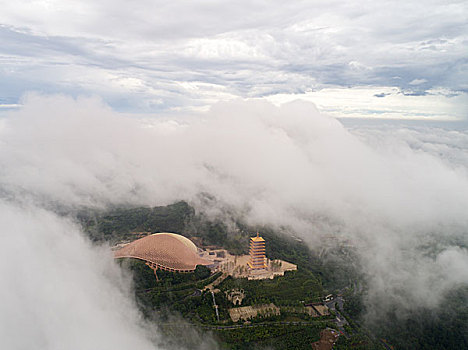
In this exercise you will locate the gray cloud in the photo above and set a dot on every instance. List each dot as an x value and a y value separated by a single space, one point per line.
142 59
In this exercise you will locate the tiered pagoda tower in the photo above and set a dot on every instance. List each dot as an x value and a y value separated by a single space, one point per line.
257 253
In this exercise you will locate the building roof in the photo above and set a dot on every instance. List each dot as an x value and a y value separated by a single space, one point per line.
168 250
257 239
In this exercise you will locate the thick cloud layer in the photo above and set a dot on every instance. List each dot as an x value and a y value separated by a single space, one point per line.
58 292
390 193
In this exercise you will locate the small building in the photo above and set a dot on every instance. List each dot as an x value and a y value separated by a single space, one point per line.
321 309
235 296
246 313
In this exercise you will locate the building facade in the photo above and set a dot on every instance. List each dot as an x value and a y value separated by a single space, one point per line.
257 253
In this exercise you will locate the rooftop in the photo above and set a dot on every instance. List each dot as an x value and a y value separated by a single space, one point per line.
257 239
168 250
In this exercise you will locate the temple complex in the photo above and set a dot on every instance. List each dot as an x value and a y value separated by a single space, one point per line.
176 253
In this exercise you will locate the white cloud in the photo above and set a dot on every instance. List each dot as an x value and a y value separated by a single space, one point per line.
58 292
10 105
417 81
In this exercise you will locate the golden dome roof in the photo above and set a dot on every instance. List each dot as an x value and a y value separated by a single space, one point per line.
167 250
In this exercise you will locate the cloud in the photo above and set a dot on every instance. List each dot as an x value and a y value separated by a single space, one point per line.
382 94
417 81
228 50
394 192
384 102
59 292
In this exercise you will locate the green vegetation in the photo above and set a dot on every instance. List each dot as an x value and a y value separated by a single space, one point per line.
295 289
358 341
271 336
117 224
180 292
176 291
144 277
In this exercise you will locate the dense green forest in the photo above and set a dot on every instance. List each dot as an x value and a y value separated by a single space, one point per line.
117 224
292 289
272 337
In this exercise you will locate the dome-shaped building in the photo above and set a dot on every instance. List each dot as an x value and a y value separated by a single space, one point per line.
165 251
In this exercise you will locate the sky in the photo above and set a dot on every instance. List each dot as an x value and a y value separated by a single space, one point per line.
107 104
385 59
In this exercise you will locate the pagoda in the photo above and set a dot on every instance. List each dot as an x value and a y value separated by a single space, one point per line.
257 253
